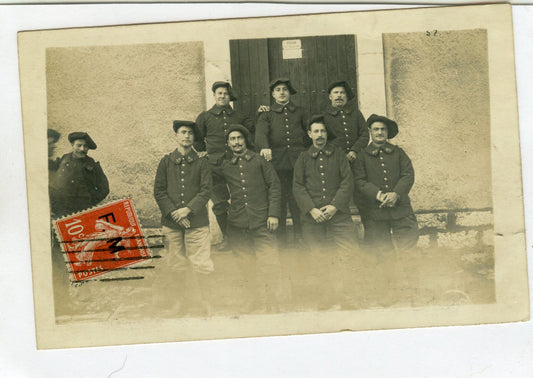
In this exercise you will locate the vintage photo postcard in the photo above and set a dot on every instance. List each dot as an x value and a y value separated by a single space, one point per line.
273 176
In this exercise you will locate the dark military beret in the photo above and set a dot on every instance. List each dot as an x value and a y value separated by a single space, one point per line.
342 83
53 134
392 127
319 118
237 127
82 135
225 84
244 131
177 124
283 80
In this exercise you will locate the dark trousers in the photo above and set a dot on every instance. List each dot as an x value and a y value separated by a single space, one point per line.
258 258
333 248
287 198
390 245
394 234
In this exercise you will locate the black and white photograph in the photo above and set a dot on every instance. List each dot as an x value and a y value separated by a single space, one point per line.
277 175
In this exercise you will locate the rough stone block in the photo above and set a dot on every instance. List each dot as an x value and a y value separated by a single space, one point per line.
474 218
456 240
434 220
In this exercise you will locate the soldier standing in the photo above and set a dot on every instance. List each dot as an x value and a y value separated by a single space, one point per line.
281 136
323 186
79 182
345 120
212 126
384 175
253 216
182 188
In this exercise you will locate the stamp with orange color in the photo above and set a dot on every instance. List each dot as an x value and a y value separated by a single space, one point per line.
102 240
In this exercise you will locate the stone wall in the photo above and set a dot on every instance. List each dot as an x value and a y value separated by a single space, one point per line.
437 89
126 98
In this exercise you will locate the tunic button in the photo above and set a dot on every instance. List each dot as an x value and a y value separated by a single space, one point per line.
242 173
382 164
344 123
243 188
182 194
182 179
324 197
72 181
323 189
323 182
381 157
246 204
288 139
384 178
245 196
384 171
243 181
288 146
240 166
321 166
288 132
322 173
386 186
286 120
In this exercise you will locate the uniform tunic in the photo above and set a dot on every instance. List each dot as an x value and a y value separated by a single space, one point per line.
254 190
283 129
349 127
183 181
387 169
76 185
213 125
323 177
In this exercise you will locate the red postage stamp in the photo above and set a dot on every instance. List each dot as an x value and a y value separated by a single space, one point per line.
101 240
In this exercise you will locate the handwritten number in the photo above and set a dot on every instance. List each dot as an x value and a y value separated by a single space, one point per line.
431 33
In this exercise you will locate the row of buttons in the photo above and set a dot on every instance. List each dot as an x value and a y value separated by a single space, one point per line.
243 184
384 170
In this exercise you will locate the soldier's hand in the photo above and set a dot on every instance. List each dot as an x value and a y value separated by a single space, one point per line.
263 108
266 153
389 200
318 215
351 156
185 223
201 153
329 211
179 214
272 224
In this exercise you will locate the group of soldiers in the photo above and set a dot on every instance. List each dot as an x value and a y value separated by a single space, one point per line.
253 171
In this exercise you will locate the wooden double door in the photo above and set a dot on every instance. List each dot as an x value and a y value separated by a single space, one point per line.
311 63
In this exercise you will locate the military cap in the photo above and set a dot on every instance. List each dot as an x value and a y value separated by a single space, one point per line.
53 134
392 127
319 118
225 84
242 129
342 83
283 80
177 124
82 135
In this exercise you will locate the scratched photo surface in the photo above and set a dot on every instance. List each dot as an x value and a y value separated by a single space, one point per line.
102 112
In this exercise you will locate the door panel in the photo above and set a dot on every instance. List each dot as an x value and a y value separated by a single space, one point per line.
255 62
